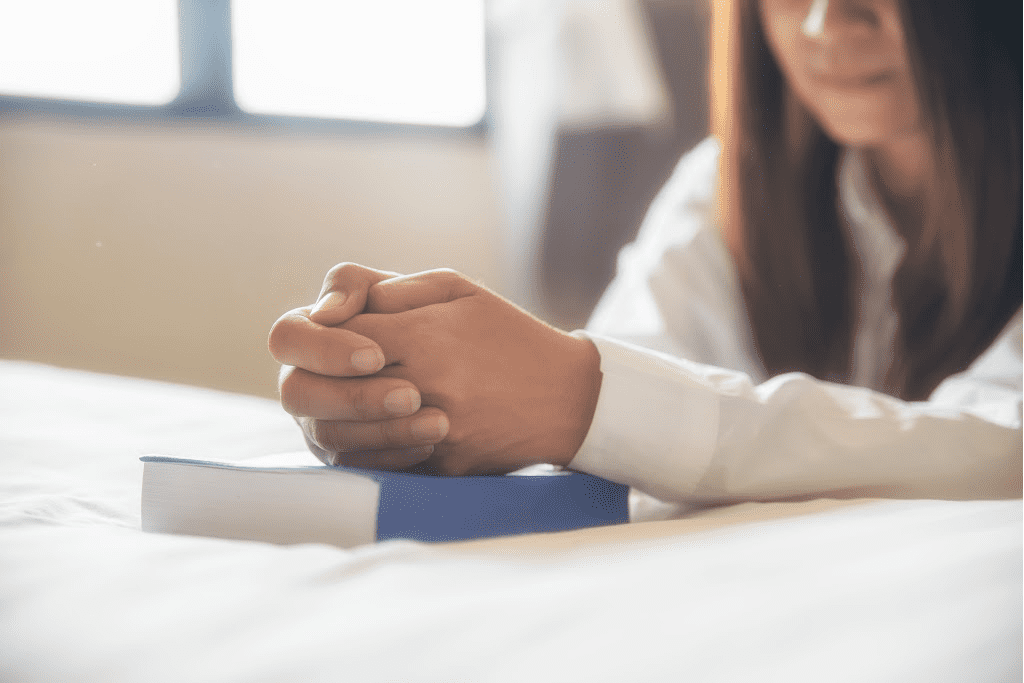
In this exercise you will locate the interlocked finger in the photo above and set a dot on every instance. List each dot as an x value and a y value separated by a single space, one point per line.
392 460
426 427
379 397
344 292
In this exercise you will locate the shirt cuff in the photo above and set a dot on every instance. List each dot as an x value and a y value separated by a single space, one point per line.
656 422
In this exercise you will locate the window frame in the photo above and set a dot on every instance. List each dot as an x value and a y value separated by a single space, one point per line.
207 91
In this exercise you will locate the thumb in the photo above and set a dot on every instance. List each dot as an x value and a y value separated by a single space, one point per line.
407 292
343 294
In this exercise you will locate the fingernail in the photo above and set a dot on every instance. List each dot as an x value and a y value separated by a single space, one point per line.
329 302
429 428
367 360
404 401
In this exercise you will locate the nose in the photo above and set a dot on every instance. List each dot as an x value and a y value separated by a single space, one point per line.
814 24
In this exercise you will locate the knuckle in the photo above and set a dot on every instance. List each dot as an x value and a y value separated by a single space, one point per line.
335 278
285 381
337 272
320 433
447 273
448 276
321 351
344 275
455 284
381 432
293 395
389 433
279 339
361 401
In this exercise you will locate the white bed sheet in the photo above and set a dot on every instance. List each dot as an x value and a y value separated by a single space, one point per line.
879 591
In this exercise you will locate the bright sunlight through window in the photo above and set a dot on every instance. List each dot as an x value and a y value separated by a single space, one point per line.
119 51
402 61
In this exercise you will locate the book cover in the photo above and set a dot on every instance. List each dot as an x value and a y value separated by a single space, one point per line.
283 499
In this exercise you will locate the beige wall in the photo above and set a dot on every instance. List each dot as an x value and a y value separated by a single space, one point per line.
168 251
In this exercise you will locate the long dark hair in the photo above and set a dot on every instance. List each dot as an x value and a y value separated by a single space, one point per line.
960 281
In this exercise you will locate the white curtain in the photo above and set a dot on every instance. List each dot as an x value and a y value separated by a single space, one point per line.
557 64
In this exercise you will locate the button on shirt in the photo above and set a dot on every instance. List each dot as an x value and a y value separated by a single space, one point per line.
686 412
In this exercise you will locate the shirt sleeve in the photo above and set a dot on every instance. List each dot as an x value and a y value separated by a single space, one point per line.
685 412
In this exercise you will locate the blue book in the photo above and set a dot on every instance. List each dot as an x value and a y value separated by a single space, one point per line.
289 499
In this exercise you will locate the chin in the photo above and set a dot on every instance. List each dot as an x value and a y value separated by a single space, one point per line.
853 131
853 123
854 136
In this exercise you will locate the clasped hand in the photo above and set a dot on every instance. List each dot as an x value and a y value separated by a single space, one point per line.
432 371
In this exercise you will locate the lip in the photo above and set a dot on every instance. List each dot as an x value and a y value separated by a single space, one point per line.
868 79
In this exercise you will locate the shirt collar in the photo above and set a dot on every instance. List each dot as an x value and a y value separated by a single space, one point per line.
878 245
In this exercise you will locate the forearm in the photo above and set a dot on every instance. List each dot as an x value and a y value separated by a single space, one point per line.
684 431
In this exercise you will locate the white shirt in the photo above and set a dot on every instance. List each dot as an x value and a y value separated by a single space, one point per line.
686 412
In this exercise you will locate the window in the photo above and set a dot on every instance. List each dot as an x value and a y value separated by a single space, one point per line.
268 61
407 61
122 51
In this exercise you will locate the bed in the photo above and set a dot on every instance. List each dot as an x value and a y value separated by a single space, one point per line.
818 590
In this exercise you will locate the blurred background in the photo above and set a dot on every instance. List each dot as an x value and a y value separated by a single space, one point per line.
175 174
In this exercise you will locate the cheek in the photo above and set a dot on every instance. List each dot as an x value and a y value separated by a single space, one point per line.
781 25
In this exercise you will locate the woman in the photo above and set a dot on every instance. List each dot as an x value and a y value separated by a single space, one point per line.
848 325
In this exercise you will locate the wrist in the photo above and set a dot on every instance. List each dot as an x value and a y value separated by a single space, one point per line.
585 389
